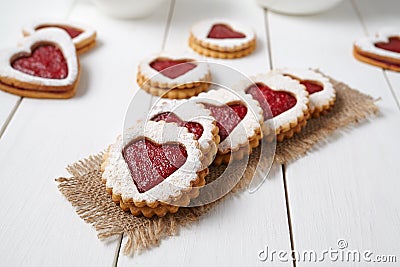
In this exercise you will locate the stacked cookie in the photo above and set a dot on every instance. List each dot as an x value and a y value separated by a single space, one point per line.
173 76
146 176
159 164
45 64
222 38
382 50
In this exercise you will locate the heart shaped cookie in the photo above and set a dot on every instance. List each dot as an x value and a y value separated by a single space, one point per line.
239 119
83 37
193 116
45 66
382 50
283 100
154 168
222 38
171 75
321 93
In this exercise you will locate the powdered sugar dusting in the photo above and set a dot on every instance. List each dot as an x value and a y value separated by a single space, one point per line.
247 127
48 35
117 173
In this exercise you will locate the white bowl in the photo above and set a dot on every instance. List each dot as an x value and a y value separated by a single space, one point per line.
299 7
128 9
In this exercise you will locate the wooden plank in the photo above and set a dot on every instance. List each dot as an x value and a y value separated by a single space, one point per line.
234 232
371 13
346 188
40 227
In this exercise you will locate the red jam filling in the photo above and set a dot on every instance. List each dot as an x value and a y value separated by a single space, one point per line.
193 127
46 61
72 32
150 163
222 31
164 65
277 101
393 44
312 86
227 117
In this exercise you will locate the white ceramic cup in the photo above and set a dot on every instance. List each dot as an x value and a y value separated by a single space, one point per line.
128 9
299 7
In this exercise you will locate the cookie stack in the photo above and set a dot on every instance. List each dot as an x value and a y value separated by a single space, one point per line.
46 65
146 176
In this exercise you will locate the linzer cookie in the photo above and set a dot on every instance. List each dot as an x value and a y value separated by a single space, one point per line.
44 66
321 93
173 76
83 37
193 116
222 38
282 98
239 120
383 50
155 168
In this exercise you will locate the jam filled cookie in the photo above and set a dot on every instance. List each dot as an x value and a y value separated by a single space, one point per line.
83 37
45 66
193 116
321 93
282 98
173 76
154 169
239 119
383 50
221 38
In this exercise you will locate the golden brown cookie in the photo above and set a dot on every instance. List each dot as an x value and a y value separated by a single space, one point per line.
154 168
222 38
173 76
382 50
45 66
239 119
83 37
283 99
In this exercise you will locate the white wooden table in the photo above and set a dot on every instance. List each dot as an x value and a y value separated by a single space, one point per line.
347 189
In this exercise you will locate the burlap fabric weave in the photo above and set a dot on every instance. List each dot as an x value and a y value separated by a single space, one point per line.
85 191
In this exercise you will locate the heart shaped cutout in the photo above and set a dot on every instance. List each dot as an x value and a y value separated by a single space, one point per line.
276 101
393 45
227 117
311 85
45 61
72 31
45 65
151 163
223 31
193 127
172 68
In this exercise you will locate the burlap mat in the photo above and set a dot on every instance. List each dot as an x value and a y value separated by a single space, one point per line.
87 194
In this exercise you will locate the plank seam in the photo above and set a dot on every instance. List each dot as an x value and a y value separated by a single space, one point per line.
10 116
289 218
267 33
391 88
117 251
167 27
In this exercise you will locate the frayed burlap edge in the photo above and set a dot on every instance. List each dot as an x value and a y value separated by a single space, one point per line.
87 193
